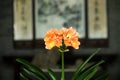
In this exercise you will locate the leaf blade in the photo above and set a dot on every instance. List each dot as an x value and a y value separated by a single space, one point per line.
23 76
83 64
35 68
102 75
91 74
32 74
53 75
89 70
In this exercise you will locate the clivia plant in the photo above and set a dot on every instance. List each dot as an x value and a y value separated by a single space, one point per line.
62 39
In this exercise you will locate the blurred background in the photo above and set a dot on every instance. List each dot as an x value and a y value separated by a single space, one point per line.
9 51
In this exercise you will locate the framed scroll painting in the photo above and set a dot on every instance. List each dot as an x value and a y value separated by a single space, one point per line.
97 19
23 24
23 20
59 13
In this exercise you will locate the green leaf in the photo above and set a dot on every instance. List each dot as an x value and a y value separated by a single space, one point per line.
53 75
79 69
88 70
32 74
101 76
23 76
91 74
33 67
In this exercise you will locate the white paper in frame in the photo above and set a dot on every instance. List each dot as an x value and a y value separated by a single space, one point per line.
97 19
23 20
57 14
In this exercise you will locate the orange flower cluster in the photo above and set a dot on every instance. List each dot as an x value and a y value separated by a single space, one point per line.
54 37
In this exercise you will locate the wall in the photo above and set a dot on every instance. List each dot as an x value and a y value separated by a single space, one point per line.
6 38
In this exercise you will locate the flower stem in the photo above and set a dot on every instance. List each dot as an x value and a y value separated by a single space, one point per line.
63 75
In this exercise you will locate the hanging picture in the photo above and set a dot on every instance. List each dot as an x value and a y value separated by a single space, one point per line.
97 19
23 20
59 13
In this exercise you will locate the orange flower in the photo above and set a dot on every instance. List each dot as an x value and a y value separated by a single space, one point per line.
70 37
54 37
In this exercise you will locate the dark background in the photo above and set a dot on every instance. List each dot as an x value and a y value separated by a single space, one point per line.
7 48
